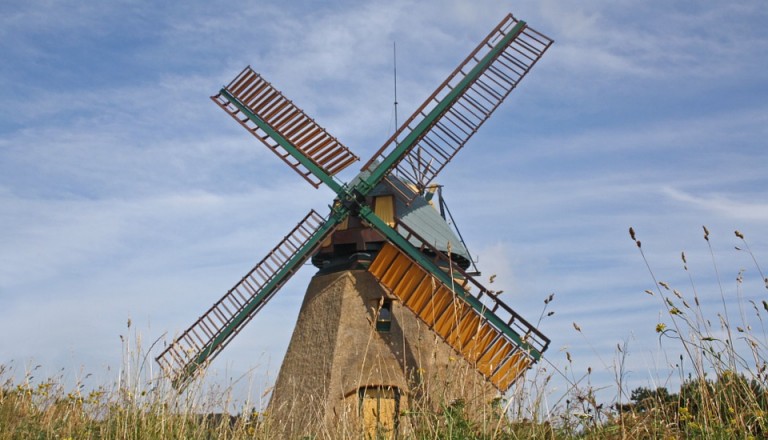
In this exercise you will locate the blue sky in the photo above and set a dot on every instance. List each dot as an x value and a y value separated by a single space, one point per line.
126 193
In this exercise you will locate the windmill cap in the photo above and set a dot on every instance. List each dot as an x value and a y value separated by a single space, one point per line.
421 217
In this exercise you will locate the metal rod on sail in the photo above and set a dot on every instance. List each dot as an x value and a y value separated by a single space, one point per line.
444 210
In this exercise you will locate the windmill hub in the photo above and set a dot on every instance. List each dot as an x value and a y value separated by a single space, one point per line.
352 201
388 261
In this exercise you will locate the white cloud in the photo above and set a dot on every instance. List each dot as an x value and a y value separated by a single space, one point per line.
655 39
728 206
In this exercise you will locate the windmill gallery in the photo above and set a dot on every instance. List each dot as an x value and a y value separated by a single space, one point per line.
391 315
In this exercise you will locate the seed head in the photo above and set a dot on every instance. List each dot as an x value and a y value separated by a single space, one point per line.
706 233
739 234
632 235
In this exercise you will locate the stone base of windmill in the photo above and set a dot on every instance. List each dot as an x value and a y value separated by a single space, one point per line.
361 363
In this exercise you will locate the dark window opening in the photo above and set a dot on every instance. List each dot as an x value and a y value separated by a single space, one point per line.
384 319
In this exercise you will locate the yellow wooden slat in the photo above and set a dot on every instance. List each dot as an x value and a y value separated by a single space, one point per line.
382 261
510 369
519 368
422 294
476 346
466 328
411 279
451 318
494 356
437 304
395 272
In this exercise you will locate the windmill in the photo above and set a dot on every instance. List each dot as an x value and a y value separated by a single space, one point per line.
391 281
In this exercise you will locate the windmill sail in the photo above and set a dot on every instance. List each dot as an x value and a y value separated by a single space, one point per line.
283 127
453 113
202 341
478 325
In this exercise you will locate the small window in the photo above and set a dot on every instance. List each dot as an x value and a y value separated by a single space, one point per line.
384 319
384 208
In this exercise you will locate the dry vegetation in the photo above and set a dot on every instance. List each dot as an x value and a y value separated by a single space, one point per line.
723 391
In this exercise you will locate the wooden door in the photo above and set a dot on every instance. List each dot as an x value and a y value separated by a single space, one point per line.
379 407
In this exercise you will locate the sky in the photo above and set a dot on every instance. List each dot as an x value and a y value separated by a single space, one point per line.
126 194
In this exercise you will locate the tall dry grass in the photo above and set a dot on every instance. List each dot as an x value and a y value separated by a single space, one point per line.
135 405
720 363
722 373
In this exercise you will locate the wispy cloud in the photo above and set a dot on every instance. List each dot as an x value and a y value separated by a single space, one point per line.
657 40
738 210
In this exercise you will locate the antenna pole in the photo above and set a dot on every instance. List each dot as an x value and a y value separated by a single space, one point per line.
394 56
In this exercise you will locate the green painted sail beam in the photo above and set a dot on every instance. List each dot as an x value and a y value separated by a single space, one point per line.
337 216
415 135
283 142
398 240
